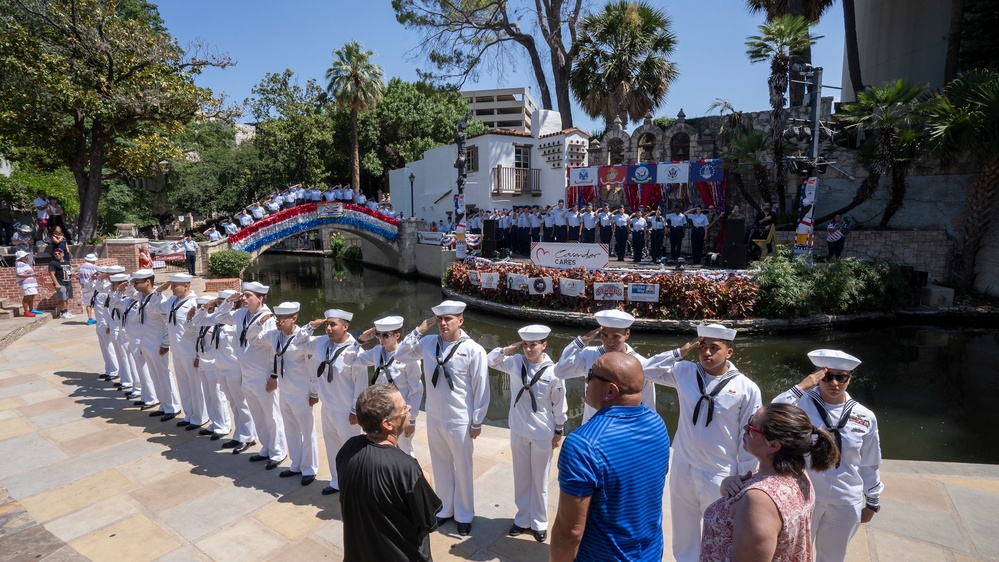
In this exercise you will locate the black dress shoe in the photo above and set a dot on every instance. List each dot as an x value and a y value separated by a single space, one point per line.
183 423
206 432
540 536
193 426
306 480
515 531
271 465
157 413
239 447
464 529
217 436
103 377
147 406
139 403
168 417
258 457
329 490
288 473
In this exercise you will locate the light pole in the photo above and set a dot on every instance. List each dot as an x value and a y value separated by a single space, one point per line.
412 204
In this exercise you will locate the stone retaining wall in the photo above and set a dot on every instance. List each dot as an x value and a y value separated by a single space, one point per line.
45 299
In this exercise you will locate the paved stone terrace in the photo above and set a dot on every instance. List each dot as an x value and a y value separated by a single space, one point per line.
86 476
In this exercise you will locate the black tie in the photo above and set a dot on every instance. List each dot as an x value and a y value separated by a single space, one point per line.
279 354
442 364
710 397
200 343
124 316
529 385
142 308
837 429
328 362
172 318
383 366
246 326
216 332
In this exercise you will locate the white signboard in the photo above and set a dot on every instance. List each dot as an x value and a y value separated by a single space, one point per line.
516 281
539 285
608 291
473 277
431 238
572 287
329 209
489 280
643 292
583 176
564 256
673 172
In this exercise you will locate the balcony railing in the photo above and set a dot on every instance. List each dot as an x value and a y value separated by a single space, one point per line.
516 181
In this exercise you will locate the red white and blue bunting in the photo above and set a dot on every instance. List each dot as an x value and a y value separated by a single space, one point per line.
283 224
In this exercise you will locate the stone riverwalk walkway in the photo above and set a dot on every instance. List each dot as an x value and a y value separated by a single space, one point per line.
84 475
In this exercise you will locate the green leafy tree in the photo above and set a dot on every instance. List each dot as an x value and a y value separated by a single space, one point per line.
96 90
355 83
623 68
964 120
778 43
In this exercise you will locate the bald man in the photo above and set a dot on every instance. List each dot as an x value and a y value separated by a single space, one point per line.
608 509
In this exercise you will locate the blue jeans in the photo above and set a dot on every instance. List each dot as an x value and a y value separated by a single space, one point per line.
191 258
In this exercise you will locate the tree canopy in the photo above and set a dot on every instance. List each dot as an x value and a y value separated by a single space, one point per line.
356 84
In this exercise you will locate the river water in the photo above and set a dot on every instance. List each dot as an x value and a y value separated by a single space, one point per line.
929 386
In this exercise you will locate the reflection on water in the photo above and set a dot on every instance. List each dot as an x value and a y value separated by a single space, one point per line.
929 386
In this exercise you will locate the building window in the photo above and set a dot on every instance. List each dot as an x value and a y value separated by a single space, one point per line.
522 156
471 159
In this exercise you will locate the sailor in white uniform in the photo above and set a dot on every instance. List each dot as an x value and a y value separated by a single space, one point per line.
115 301
182 340
150 322
143 387
716 402
99 296
614 331
339 385
389 369
850 493
208 337
299 391
457 373
537 419
252 321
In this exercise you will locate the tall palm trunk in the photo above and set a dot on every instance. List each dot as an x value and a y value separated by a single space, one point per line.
898 188
778 122
852 48
355 173
978 218
884 155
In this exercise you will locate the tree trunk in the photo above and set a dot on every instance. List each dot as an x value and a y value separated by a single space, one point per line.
882 160
897 197
355 172
778 122
952 61
852 48
977 220
88 171
560 74
539 71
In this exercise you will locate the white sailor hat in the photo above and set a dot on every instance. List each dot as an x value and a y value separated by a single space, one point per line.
449 307
256 287
287 308
833 359
181 278
389 323
614 318
102 269
204 299
25 228
534 332
90 257
142 274
20 254
121 269
226 293
340 314
118 277
716 331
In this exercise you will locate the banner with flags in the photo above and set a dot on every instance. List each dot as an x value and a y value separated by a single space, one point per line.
707 170
583 176
673 172
612 175
641 174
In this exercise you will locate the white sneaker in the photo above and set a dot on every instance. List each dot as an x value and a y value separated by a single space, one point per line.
68 315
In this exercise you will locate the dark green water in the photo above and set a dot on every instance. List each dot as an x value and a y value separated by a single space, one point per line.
929 386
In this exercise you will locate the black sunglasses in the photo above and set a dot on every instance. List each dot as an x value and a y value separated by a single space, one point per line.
838 377
591 375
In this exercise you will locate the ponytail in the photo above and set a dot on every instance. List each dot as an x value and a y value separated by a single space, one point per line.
791 427
824 454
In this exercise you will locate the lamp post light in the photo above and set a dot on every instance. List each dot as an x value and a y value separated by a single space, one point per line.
412 204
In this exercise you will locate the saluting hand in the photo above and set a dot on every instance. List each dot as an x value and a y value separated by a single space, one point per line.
812 380
511 349
588 337
426 324
366 335
317 323
696 342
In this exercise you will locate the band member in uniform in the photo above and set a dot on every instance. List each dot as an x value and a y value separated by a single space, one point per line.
537 419
389 369
716 402
850 493
614 331
457 400
677 222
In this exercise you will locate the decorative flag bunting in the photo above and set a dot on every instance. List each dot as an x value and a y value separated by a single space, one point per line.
673 172
642 174
583 176
707 170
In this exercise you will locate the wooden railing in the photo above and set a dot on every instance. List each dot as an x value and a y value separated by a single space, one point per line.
516 181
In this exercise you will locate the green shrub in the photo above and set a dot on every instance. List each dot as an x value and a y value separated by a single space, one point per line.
229 263
338 245
353 253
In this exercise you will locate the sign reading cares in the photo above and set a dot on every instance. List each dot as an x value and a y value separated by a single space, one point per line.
564 256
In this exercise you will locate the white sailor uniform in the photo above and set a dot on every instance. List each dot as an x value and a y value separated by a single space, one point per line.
224 341
576 361
102 315
182 340
149 319
207 348
297 381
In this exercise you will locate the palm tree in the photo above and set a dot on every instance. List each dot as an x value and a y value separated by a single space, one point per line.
779 42
622 67
964 120
892 112
355 83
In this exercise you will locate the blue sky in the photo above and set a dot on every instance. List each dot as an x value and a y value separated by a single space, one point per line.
266 36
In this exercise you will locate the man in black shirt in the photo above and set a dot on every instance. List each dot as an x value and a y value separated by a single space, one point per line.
389 508
60 271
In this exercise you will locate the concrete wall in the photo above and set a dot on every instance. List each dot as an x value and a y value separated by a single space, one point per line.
432 261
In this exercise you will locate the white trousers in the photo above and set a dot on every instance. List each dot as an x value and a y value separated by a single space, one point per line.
451 459
159 372
231 383
833 525
300 432
336 431
532 463
107 350
145 380
266 413
216 403
691 491
192 393
126 368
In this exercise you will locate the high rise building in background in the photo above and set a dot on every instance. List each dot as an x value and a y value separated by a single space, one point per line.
503 108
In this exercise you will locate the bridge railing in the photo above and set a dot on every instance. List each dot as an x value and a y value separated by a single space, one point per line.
288 222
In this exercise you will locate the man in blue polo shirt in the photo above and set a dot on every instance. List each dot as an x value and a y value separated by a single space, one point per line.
612 471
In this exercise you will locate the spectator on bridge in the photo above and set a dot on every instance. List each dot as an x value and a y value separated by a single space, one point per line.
212 233
243 219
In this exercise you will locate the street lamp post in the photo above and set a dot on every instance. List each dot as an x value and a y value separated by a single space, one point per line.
412 204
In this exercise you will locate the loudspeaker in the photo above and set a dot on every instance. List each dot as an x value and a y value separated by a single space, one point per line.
735 231
489 238
733 255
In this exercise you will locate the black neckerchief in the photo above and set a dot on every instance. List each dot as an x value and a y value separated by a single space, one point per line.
836 430
124 315
142 307
172 318
442 364
93 298
246 326
216 333
279 353
384 365
529 384
331 356
199 344
107 301
710 397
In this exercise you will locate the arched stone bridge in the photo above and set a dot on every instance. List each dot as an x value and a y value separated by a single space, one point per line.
397 239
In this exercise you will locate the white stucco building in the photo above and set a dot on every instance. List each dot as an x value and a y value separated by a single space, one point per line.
505 169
